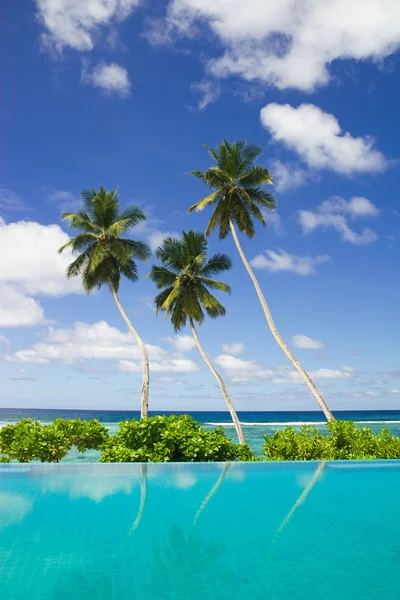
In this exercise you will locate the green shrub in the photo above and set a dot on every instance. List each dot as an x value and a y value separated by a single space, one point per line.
173 438
30 440
344 441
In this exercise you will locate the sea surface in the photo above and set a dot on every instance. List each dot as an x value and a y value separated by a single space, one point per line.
255 424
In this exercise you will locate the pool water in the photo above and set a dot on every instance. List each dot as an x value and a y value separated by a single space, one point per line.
200 531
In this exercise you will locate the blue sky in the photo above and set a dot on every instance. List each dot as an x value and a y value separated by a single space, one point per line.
126 93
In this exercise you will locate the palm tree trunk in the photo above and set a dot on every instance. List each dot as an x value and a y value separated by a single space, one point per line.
275 333
218 377
144 412
211 493
143 496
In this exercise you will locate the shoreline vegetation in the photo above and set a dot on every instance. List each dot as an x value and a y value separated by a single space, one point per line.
179 438
185 277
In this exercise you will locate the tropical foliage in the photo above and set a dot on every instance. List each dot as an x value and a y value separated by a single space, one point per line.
237 199
185 277
344 441
238 196
106 254
29 440
167 439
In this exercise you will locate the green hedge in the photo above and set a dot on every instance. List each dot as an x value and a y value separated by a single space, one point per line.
182 439
30 440
344 441
167 439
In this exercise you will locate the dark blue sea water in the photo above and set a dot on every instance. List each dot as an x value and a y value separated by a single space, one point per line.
255 424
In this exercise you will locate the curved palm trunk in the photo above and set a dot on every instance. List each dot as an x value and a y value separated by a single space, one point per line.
218 377
143 496
211 493
275 333
303 496
144 412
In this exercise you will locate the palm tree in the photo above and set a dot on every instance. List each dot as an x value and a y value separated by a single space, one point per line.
184 278
238 198
105 255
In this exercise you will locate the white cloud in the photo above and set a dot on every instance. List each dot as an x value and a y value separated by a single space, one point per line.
155 238
329 214
318 139
5 342
29 258
287 177
274 220
303 341
283 261
236 348
170 365
397 392
65 200
357 207
14 508
10 201
93 487
17 309
97 341
243 371
209 91
111 78
75 24
287 44
31 266
181 343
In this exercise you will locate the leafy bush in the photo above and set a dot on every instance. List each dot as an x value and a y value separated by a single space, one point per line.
30 440
344 441
173 438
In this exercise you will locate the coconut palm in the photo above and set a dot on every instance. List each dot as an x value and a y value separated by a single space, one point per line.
105 255
237 198
185 278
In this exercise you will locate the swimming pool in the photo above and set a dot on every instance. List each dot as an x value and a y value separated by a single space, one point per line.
200 531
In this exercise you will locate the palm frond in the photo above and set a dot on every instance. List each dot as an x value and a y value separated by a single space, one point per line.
213 307
170 254
249 153
98 256
216 264
236 182
263 198
174 294
201 204
212 153
215 217
161 298
138 249
255 177
161 276
251 207
79 242
79 265
216 177
80 220
129 270
241 216
197 174
215 285
121 252
126 221
105 208
183 279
